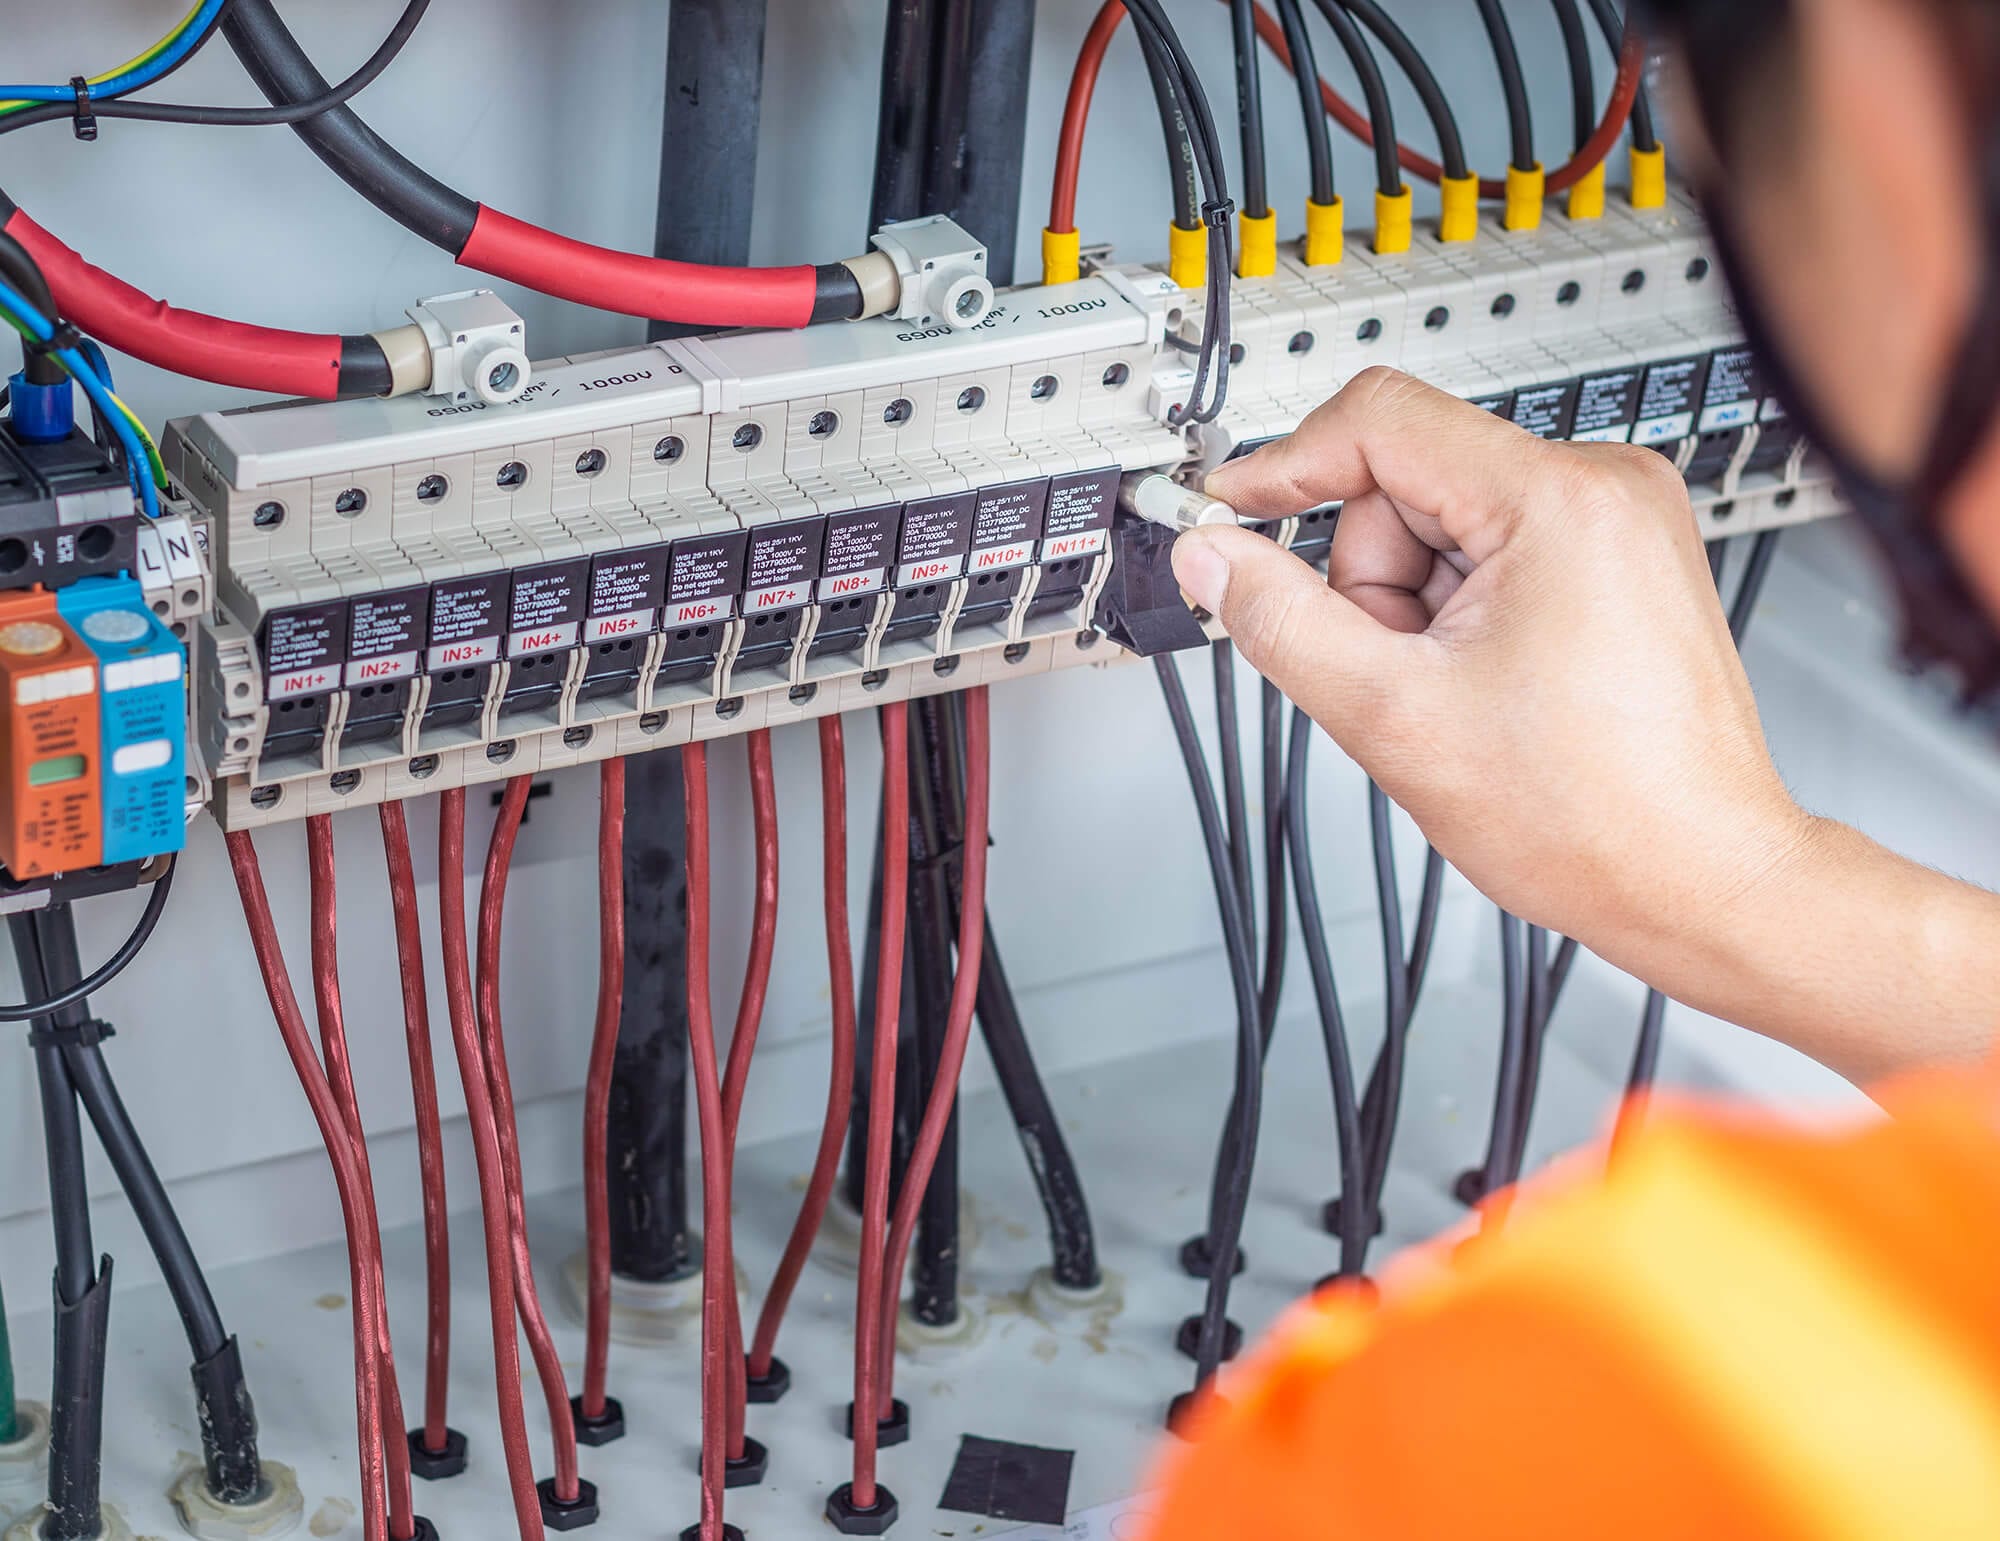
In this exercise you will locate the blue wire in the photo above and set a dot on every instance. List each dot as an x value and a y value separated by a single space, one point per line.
99 362
132 80
136 463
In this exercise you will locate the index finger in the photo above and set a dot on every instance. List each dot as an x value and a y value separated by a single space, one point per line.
1430 453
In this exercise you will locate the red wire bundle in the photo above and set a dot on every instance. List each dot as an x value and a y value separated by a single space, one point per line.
597 1086
430 1138
869 1347
499 1086
486 1150
840 1081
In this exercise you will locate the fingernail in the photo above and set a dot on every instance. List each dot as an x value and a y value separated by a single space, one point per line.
1201 570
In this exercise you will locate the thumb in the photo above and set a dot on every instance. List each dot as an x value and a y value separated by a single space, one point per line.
1317 646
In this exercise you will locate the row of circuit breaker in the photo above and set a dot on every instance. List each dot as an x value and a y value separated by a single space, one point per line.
95 603
713 534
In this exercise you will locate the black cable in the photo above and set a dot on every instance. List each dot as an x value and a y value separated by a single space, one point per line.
20 270
1250 106
1381 113
1582 87
1520 121
1444 122
1608 21
1235 804
1305 74
1751 586
1534 1040
149 918
1514 1032
1425 931
240 117
1182 170
62 1132
1353 1229
1396 1001
1247 1101
933 845
1277 791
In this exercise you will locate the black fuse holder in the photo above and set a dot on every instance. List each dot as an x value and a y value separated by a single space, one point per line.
1141 608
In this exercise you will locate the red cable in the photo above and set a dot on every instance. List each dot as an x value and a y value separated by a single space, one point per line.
840 1081
430 1138
346 1174
261 358
717 1267
1624 90
958 1022
743 1040
492 1037
597 1087
339 1073
1076 113
486 1151
650 287
869 1347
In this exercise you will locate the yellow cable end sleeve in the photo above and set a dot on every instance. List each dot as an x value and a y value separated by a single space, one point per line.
1326 234
1187 256
1393 215
1649 178
1259 256
1062 256
1458 217
1524 198
1586 197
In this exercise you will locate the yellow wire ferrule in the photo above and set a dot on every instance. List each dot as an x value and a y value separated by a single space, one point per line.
1649 178
1259 255
1586 197
1393 217
1062 256
1187 256
1524 198
1326 235
1458 215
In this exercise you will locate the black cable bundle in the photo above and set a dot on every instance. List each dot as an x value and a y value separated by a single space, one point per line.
1249 106
1305 73
1520 122
1444 122
1381 115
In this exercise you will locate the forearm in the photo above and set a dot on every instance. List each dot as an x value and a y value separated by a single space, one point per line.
1866 961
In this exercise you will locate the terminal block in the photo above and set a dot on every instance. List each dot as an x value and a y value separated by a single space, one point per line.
713 534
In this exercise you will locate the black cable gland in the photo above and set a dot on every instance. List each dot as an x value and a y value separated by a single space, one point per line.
233 1474
763 1390
1469 1187
422 1529
889 1432
437 1465
574 1515
76 1411
1198 1258
1329 1219
729 1533
1188 1339
747 1469
850 1519
607 1428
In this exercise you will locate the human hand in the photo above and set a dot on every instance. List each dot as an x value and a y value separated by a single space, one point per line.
1522 644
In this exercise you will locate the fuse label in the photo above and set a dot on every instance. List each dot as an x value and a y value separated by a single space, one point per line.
1546 410
705 576
627 589
937 533
385 635
1667 401
783 564
1606 406
1007 523
1500 404
304 648
1735 387
546 611
467 618
860 546
1079 518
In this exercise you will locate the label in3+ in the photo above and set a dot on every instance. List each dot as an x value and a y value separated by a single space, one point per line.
468 616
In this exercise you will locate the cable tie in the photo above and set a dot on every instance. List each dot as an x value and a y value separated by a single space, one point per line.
1218 212
64 337
85 125
87 1034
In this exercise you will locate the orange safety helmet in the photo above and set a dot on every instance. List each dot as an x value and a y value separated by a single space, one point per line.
1744 1330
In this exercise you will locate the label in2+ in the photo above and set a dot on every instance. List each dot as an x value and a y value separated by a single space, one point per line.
1080 508
467 618
627 589
1006 524
1500 404
1605 407
1666 403
384 634
1735 387
782 566
546 611
704 576
304 648
1546 410
860 546
937 532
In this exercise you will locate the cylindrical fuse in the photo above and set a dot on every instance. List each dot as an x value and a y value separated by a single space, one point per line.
1159 499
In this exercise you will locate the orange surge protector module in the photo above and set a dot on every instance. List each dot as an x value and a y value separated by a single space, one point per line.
49 818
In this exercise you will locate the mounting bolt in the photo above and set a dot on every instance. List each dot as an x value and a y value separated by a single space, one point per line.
747 1469
851 1520
890 1431
574 1515
762 1390
606 1428
1188 1338
436 1465
1198 1258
